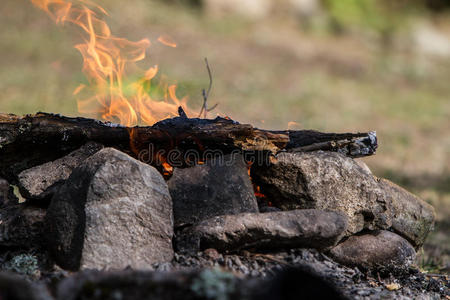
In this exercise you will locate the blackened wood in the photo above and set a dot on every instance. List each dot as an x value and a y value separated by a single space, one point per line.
35 139
350 144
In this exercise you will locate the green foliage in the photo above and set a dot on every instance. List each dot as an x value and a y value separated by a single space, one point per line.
214 284
376 15
429 264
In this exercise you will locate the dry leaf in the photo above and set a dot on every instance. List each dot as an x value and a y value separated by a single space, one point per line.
393 286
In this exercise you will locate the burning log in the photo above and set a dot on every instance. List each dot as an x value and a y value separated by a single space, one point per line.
35 139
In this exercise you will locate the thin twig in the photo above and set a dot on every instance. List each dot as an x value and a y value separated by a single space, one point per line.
436 275
205 94
270 257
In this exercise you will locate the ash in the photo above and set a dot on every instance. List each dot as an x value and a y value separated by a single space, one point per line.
351 282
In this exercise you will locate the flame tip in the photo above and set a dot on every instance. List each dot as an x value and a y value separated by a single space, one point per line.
105 59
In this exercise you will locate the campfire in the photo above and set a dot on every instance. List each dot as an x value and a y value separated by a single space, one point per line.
157 195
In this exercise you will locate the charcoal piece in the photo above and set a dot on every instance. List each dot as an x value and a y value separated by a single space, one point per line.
299 282
219 187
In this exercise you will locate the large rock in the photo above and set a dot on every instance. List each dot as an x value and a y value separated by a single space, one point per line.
307 228
325 180
112 212
380 249
42 181
328 180
219 187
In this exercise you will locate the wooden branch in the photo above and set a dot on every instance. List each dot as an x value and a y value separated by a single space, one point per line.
205 93
35 139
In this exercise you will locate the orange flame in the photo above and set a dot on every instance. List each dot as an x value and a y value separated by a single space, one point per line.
105 59
167 40
258 192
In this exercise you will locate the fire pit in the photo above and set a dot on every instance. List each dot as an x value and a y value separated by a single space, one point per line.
153 203
187 194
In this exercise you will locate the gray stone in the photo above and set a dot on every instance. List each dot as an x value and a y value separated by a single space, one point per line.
412 217
306 228
112 212
42 181
379 249
219 187
325 180
363 166
328 180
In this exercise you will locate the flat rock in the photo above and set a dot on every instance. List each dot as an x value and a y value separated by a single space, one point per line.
112 212
219 187
328 180
379 249
41 181
307 228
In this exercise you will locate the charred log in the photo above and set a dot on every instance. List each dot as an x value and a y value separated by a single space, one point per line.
35 139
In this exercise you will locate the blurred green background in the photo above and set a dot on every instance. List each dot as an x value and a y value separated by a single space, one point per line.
330 65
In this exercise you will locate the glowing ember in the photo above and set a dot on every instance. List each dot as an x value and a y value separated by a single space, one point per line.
256 188
105 60
258 192
168 169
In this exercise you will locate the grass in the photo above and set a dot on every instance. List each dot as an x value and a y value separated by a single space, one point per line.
266 73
